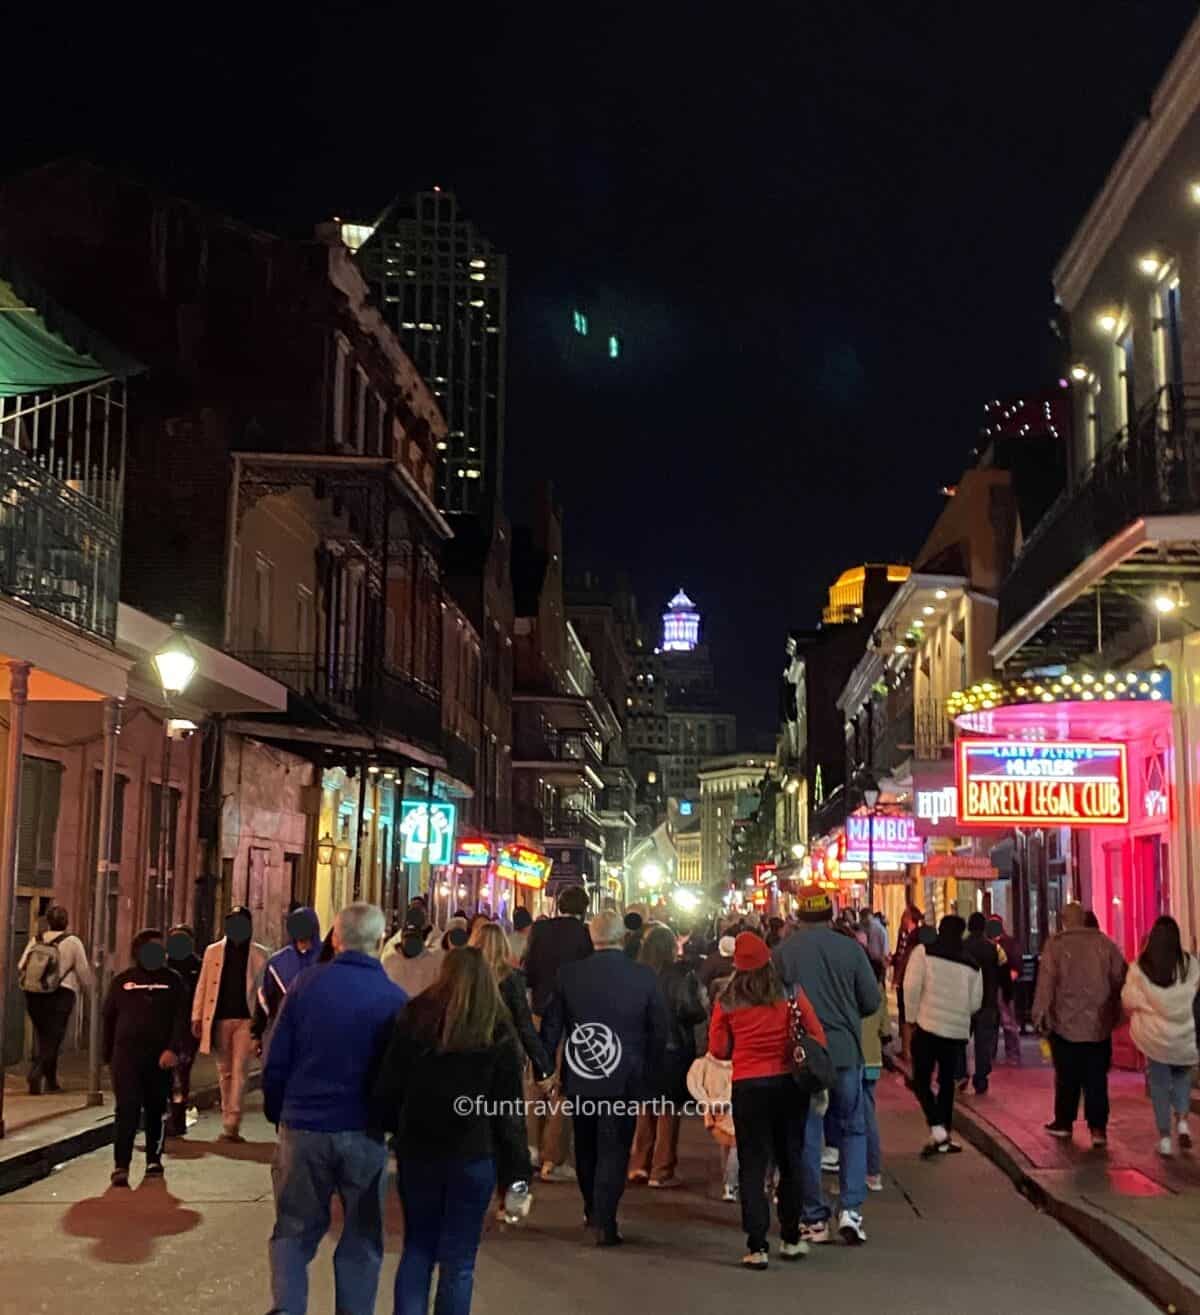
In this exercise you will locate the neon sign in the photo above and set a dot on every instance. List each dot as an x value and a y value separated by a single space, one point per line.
1019 783
472 854
883 838
524 866
427 826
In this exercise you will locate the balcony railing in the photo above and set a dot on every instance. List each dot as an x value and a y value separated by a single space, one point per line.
61 489
460 757
344 685
558 748
1152 468
576 824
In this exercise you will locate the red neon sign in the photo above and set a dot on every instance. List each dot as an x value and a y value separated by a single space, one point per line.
1043 783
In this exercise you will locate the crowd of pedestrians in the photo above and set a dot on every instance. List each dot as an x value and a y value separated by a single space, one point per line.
564 1050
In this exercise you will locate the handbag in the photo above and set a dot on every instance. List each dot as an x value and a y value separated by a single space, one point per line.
808 1061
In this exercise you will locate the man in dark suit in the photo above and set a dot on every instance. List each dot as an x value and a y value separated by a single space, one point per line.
552 943
610 1016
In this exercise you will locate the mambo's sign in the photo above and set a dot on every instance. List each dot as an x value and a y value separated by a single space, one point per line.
1011 783
883 838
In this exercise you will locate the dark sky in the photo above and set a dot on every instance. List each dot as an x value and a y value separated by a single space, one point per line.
826 228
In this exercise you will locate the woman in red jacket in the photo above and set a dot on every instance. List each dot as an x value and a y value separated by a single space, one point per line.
750 1025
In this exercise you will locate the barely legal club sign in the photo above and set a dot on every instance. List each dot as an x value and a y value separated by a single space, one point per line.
1065 783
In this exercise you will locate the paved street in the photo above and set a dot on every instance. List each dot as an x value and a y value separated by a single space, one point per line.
198 1243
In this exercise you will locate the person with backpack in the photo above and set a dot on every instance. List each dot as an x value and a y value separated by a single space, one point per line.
53 969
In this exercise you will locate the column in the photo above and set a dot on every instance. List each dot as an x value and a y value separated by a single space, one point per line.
10 815
112 729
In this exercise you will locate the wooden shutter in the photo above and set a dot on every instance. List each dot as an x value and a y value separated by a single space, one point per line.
41 787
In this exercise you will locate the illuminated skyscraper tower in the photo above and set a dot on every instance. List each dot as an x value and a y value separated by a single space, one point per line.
681 625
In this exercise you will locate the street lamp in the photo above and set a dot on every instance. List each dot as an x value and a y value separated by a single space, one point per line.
175 664
325 848
870 794
651 875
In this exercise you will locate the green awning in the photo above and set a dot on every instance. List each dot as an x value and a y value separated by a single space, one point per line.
42 347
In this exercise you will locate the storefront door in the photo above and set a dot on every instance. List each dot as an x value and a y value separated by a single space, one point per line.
1150 860
1119 919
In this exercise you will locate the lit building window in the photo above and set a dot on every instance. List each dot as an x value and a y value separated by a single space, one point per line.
614 346
581 323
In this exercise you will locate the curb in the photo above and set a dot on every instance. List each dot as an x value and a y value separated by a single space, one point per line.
39 1162
1159 1274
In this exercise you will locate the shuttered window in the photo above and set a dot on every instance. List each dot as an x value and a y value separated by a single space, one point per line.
113 867
41 788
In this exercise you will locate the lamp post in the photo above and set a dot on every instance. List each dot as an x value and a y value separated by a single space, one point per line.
870 794
175 664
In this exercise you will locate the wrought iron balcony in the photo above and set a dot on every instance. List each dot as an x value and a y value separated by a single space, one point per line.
461 757
345 686
61 489
1151 468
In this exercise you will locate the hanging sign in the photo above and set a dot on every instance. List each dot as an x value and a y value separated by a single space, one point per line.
894 839
427 825
1063 783
524 866
962 867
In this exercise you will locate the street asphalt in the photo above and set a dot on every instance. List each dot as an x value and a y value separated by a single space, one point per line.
950 1235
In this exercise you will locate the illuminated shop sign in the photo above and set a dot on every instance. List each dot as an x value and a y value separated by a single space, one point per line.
472 854
524 866
962 867
427 825
895 839
764 874
1068 783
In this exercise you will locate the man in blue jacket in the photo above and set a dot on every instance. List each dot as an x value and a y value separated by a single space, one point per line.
328 1041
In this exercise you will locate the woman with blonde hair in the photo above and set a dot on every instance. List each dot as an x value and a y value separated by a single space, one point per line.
489 939
450 1088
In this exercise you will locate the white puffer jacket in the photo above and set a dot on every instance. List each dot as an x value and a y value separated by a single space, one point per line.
940 995
1163 1026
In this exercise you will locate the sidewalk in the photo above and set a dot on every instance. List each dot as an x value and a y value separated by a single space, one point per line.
1139 1211
42 1132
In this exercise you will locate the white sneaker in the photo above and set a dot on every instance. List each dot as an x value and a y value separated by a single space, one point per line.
1185 1135
850 1225
830 1159
815 1234
754 1260
557 1173
1165 1149
874 1182
793 1250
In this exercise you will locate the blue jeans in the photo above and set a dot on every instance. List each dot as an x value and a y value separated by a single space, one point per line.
1170 1091
874 1153
444 1205
848 1110
308 1169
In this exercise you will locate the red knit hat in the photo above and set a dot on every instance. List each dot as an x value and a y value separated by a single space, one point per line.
750 952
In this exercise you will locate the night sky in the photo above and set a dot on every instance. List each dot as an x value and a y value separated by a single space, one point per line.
826 228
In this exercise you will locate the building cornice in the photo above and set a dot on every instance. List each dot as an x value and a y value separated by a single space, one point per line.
1175 101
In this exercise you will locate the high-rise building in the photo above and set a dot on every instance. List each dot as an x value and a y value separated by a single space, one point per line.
442 287
674 719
